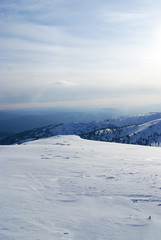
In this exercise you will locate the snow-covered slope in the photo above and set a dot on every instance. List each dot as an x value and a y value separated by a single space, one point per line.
135 119
148 133
68 188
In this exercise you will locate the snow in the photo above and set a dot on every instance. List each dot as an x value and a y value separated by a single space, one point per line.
148 133
135 119
68 188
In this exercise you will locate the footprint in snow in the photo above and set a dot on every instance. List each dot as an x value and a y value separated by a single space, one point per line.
110 178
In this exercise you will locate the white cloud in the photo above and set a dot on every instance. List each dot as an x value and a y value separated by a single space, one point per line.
122 16
65 60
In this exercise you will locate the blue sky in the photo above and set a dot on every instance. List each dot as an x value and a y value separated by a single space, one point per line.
80 53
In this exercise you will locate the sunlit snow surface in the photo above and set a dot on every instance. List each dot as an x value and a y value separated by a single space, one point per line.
67 188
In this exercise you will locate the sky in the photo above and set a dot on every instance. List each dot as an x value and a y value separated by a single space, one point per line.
79 53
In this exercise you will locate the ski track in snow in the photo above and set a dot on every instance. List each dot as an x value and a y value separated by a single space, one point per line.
67 188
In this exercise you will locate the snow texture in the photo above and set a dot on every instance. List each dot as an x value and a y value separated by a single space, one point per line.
68 188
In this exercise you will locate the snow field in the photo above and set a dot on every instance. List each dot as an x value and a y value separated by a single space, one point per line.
68 188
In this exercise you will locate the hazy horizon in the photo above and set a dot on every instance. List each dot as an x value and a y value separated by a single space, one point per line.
70 53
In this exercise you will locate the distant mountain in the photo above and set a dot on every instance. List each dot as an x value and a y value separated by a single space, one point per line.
75 128
135 119
148 133
16 122
3 135
138 129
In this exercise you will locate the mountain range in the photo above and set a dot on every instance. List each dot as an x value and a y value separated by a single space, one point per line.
143 129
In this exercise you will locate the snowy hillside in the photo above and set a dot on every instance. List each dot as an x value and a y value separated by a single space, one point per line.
68 188
148 133
75 128
135 119
139 129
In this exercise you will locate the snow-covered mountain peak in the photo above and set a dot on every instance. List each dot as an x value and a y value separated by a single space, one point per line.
135 119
